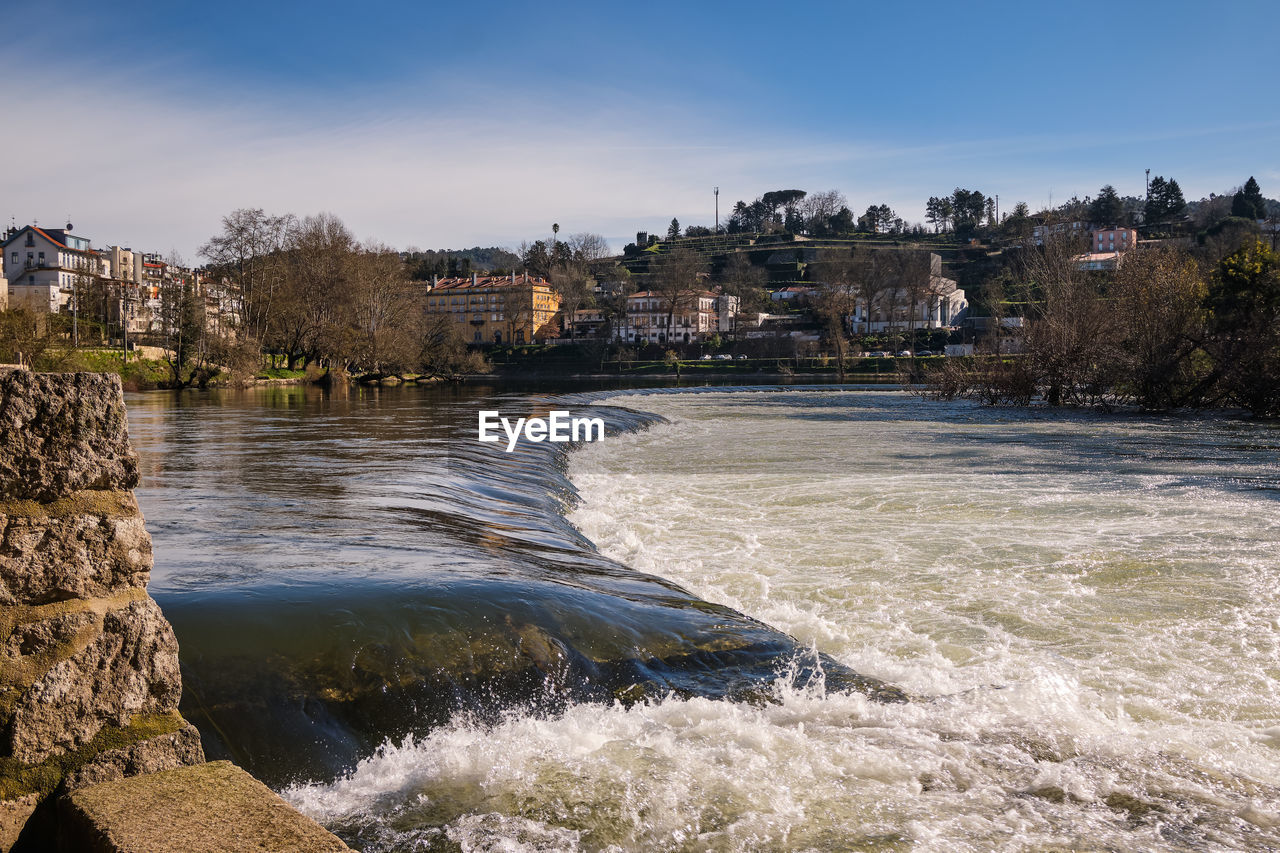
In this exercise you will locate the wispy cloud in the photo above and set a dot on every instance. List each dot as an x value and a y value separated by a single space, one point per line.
151 158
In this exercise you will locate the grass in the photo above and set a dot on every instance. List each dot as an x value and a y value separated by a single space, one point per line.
280 373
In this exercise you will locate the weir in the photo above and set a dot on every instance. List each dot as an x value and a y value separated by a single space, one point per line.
93 752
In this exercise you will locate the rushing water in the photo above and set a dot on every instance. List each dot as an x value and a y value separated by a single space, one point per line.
406 634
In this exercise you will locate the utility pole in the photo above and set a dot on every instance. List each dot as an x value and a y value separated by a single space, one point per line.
1148 195
717 192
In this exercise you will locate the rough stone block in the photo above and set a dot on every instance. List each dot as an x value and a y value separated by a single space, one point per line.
63 433
88 545
208 808
163 752
130 667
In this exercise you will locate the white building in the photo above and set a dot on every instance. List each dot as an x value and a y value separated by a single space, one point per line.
45 267
696 317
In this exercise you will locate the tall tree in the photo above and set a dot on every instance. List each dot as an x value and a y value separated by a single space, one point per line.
673 230
572 282
676 277
1164 201
1248 202
837 300
1107 210
1244 305
745 280
248 253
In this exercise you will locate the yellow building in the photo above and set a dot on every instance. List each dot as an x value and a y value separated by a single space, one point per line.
514 309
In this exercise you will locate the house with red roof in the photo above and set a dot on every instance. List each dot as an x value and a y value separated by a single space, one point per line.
46 266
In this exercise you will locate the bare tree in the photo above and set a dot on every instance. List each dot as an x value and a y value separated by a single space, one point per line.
587 246
1158 298
676 277
385 311
838 295
572 281
745 280
249 253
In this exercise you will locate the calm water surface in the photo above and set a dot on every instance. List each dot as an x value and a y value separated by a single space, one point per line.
659 643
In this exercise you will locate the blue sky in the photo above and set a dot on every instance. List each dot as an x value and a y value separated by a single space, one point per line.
448 125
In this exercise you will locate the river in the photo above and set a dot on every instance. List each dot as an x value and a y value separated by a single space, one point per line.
692 635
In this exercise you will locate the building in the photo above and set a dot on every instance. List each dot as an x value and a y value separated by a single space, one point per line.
514 309
920 296
590 323
47 267
1098 261
1066 230
697 316
1113 240
795 295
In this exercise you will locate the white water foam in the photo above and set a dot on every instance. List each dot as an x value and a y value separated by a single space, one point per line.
1092 632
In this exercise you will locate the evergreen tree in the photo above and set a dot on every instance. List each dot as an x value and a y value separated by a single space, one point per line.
1107 209
1248 202
1164 200
673 231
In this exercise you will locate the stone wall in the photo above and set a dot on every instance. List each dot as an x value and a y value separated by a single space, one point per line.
89 679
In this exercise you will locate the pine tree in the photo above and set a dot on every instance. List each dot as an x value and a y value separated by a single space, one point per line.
1164 200
1248 202
1107 208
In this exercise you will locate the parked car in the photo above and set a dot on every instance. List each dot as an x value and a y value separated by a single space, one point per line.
707 357
878 354
906 353
724 356
924 352
742 358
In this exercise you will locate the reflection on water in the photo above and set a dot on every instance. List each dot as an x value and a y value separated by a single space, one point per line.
343 569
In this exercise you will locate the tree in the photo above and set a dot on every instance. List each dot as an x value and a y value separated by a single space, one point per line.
968 208
1017 225
308 319
181 320
1164 201
24 336
1158 299
1248 202
842 222
385 311
673 230
676 277
816 211
1107 209
248 253
443 351
573 283
1244 327
1071 333
536 258
879 219
745 280
588 247
837 300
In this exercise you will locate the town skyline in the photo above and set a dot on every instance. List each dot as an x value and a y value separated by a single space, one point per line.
614 123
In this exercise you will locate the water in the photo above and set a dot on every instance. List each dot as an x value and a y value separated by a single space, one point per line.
1084 611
